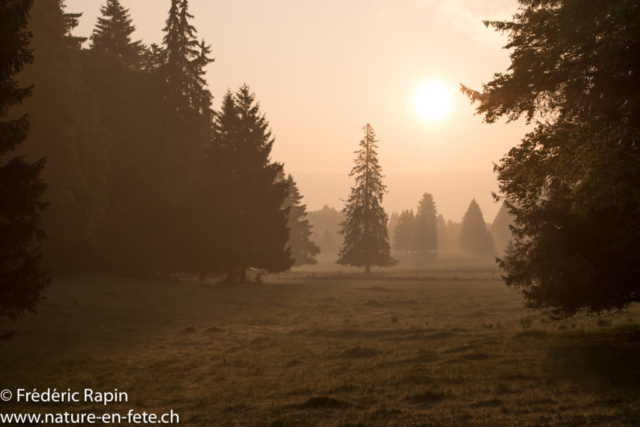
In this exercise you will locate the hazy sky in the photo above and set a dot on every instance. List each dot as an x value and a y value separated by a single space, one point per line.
323 69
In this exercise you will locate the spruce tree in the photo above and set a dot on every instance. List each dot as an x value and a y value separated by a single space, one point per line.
426 225
67 129
366 240
113 34
474 237
183 60
405 232
303 250
239 222
21 188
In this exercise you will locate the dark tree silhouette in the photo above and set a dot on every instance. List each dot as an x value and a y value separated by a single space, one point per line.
405 232
474 236
67 129
572 184
366 241
303 250
113 34
237 206
183 59
426 227
21 189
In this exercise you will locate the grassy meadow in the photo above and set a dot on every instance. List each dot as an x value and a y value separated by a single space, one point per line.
408 348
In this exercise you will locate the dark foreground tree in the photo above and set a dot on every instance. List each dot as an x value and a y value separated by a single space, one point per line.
237 218
427 225
67 129
303 250
366 240
21 189
474 236
572 184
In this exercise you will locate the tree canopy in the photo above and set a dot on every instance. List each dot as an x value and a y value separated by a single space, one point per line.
239 222
113 34
571 185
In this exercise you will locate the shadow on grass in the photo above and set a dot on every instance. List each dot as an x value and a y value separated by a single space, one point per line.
607 359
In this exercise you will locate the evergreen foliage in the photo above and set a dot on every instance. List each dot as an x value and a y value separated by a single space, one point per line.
303 250
426 225
113 34
240 223
404 234
500 229
21 188
366 241
572 184
474 236
67 130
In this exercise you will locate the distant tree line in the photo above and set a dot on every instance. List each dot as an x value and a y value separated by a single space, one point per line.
427 232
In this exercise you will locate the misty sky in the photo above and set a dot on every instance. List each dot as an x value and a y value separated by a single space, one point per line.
322 70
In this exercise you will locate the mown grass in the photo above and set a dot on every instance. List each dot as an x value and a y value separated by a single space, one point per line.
303 352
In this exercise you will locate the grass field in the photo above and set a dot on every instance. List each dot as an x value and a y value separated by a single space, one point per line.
305 349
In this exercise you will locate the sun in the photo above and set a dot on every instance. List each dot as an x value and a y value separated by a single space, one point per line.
433 101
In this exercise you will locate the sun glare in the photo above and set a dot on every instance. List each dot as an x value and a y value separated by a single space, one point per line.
433 101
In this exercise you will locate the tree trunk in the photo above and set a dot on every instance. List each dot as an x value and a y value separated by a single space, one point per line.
242 275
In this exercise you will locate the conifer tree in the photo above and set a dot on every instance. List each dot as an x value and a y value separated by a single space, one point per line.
67 129
474 237
366 239
405 232
113 34
240 223
303 250
21 188
183 60
500 229
571 185
426 225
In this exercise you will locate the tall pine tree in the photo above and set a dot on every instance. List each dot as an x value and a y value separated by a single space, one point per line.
427 225
21 189
113 34
366 240
184 58
303 250
237 201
